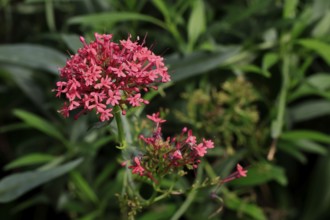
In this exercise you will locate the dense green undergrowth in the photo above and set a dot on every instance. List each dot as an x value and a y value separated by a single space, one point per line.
251 75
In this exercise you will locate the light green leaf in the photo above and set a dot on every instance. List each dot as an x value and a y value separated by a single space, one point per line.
33 56
268 61
196 23
83 186
261 173
111 18
29 159
15 185
290 7
322 28
321 48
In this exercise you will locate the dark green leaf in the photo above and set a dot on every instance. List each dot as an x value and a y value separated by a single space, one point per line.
39 124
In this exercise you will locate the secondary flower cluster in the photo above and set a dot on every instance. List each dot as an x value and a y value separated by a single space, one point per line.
162 157
104 74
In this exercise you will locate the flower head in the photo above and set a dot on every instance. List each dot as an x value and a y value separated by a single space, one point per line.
104 74
161 157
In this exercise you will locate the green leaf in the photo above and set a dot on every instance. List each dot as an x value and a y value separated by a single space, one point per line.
316 84
322 28
111 18
161 212
261 173
72 41
290 7
39 124
33 56
15 185
30 159
291 149
311 146
23 77
196 23
199 63
317 196
233 202
268 61
309 110
83 186
306 134
321 48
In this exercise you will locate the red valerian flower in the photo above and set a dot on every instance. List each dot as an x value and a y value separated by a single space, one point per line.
240 172
104 74
160 157
137 168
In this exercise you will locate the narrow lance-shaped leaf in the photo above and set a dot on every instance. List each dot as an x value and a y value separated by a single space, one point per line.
13 186
33 56
39 123
30 159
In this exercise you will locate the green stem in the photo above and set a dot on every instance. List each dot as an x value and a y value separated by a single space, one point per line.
121 133
191 196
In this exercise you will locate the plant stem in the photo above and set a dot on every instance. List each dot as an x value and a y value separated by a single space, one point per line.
191 195
120 128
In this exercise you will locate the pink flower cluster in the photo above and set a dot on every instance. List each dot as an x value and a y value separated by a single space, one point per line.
104 74
163 157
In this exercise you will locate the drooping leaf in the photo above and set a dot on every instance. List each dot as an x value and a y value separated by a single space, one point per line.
320 47
83 186
15 185
39 124
291 149
29 159
33 56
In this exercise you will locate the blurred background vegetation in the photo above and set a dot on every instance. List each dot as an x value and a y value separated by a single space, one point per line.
253 75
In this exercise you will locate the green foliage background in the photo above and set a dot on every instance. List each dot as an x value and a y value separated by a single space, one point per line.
251 74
